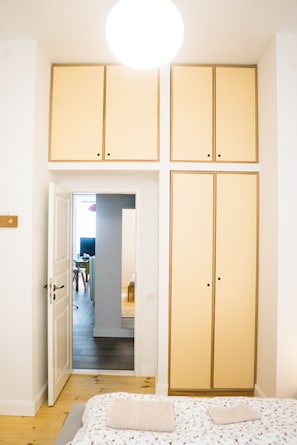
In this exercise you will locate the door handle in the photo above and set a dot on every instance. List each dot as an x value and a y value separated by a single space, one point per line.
58 287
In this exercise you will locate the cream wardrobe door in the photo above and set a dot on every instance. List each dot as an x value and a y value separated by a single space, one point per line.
191 113
191 280
236 116
236 280
132 114
76 113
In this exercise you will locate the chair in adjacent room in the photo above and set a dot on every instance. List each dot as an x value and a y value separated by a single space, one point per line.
77 272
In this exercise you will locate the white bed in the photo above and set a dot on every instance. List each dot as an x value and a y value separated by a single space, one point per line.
276 423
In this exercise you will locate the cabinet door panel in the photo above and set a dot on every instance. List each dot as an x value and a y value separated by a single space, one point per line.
76 113
191 278
191 113
236 280
132 114
236 133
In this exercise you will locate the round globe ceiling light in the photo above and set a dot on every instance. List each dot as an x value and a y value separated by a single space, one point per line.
144 34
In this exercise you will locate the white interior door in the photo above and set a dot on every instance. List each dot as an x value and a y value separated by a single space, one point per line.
59 292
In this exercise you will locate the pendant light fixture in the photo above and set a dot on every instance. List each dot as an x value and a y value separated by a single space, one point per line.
144 34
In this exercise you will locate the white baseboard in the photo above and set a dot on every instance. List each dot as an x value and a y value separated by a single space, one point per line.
102 371
259 392
16 408
161 389
40 398
113 332
23 408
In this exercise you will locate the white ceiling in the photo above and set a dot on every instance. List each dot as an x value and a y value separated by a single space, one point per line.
216 31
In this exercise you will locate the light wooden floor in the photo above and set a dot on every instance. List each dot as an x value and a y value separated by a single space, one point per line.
43 428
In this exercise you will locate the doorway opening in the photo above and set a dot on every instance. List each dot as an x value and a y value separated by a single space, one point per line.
106 222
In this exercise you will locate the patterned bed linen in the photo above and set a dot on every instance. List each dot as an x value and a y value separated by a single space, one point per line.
193 425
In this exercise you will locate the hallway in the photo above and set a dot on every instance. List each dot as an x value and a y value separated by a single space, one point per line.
115 354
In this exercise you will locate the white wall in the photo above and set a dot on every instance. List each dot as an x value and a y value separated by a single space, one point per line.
268 268
84 220
40 180
128 244
277 335
24 92
286 55
108 268
145 186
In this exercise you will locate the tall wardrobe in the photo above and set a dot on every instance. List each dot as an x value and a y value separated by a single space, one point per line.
214 231
106 113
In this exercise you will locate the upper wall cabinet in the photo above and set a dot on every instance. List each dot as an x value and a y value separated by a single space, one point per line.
214 113
191 113
132 114
235 114
104 113
76 127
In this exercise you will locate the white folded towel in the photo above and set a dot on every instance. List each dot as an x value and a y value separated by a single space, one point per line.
234 414
146 415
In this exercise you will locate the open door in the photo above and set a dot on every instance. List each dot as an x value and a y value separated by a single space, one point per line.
59 292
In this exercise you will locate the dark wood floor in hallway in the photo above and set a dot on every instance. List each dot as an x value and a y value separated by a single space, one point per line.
102 353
